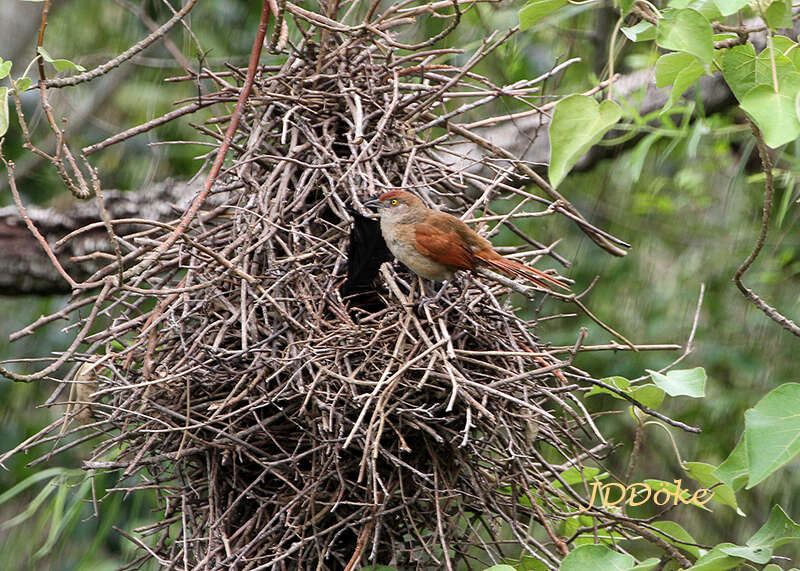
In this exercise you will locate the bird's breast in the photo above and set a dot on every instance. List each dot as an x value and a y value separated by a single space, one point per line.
400 239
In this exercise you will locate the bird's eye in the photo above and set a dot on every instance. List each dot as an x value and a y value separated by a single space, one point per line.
394 202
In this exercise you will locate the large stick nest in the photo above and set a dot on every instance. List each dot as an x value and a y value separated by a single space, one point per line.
284 425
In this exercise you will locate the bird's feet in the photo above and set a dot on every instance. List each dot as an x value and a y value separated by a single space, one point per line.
428 300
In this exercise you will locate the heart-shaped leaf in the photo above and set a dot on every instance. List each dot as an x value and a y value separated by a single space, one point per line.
534 11
706 7
772 431
22 84
680 70
739 69
59 64
674 530
578 123
596 557
687 382
703 474
716 560
688 31
728 7
641 32
735 469
779 529
775 112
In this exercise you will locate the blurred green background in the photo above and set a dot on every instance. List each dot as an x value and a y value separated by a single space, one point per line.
688 198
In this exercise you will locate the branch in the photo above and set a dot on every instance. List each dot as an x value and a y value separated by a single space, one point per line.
198 201
769 191
26 267
123 57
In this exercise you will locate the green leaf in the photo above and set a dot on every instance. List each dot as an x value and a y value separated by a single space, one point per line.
59 64
728 7
782 43
642 32
620 383
773 432
716 560
639 155
575 475
500 568
706 7
774 113
680 69
757 554
604 536
649 395
647 565
686 497
688 382
31 480
779 14
22 84
735 469
778 530
787 47
670 65
783 206
5 68
686 30
595 557
720 37
703 474
569 526
534 11
685 79
783 67
531 564
578 123
739 69
625 6
3 110
30 507
674 530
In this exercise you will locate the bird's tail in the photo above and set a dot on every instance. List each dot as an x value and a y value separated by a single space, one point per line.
513 268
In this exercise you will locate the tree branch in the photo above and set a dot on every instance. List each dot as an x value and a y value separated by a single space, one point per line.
769 191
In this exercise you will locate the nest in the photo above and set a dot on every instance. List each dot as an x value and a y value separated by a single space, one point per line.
285 425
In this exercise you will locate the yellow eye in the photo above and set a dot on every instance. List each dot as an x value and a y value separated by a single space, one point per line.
394 202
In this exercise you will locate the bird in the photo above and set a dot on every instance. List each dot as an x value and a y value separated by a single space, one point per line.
435 245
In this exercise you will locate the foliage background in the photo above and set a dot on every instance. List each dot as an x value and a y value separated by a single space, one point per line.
688 198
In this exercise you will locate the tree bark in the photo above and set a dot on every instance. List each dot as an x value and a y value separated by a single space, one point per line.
26 268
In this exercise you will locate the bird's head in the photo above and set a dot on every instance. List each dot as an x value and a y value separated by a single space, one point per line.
395 201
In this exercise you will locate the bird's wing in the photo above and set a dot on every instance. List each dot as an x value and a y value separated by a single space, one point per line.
446 247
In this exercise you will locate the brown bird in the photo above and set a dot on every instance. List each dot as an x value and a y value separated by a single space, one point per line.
435 244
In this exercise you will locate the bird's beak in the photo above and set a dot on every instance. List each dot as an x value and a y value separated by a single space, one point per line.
374 204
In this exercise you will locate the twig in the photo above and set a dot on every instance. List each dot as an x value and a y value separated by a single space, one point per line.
126 55
244 93
769 190
149 125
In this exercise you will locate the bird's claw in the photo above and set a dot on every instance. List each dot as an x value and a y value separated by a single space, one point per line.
428 300
424 302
